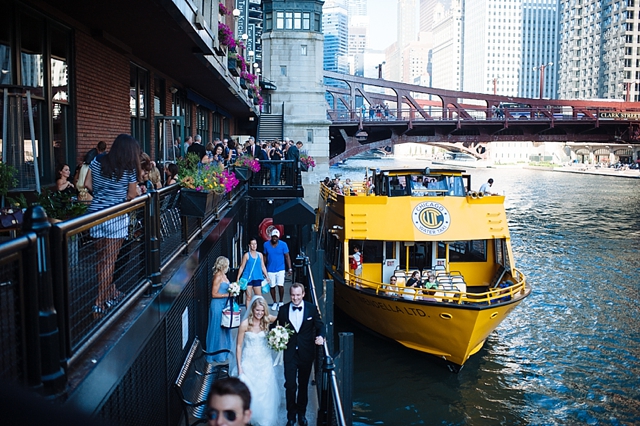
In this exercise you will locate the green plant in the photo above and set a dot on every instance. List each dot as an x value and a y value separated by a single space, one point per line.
60 205
205 177
7 178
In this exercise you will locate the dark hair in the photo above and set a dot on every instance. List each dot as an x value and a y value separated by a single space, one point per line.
123 156
59 170
231 144
173 170
218 146
89 156
231 386
490 181
102 146
145 162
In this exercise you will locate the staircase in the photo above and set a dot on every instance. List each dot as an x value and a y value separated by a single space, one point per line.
270 127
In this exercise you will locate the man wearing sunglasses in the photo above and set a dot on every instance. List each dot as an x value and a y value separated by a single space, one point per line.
229 403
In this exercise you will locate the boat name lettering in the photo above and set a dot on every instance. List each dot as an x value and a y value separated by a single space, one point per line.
431 218
391 308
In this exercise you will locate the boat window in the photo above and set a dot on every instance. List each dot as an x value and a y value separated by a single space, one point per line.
397 186
333 252
371 251
465 251
502 256
419 255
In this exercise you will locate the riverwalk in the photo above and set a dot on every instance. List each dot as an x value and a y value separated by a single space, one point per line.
589 170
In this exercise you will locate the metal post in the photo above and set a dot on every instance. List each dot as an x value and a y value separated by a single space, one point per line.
328 313
345 375
325 413
53 376
152 240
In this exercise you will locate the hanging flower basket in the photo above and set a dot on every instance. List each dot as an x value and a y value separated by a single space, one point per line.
242 173
232 65
197 203
256 101
251 93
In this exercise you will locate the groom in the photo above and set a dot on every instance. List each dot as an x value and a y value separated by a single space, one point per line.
301 317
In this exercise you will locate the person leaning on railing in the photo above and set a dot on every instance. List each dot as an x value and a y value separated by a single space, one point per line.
112 178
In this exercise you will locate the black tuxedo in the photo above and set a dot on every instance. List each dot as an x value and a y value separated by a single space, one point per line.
299 356
198 149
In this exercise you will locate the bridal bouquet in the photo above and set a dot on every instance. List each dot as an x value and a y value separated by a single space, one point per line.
277 340
234 289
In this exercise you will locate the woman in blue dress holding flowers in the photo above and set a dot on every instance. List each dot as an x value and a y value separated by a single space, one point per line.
217 336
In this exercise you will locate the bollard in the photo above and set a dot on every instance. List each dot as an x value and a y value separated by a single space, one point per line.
53 376
152 238
325 410
345 374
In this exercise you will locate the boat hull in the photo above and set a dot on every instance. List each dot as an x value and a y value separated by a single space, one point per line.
447 330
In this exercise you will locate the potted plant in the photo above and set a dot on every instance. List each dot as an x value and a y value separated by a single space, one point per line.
225 38
7 179
306 161
232 64
244 165
203 185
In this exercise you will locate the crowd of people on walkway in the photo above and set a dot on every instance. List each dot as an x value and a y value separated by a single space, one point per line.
254 365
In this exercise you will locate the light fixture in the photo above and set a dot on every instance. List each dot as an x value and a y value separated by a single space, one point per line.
173 89
236 13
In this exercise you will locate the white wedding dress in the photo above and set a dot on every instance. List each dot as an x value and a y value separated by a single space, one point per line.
264 380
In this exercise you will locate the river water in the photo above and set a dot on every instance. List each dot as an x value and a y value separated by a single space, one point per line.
569 354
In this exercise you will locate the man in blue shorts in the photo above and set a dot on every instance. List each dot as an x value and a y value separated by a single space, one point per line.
276 253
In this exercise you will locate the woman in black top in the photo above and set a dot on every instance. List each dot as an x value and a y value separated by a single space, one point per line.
414 281
275 154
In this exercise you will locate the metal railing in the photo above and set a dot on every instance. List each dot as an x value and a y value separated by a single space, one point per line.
328 382
55 274
273 173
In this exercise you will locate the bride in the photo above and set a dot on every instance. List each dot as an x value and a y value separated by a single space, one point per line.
255 365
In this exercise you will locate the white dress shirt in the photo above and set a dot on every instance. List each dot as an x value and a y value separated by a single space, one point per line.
295 316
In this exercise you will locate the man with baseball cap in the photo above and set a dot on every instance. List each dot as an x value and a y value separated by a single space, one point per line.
276 253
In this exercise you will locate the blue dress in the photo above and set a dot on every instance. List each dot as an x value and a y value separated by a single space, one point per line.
218 337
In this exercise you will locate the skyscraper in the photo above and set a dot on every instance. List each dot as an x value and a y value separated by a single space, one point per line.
447 46
336 36
539 49
598 54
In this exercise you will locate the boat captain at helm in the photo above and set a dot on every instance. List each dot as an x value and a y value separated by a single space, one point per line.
486 187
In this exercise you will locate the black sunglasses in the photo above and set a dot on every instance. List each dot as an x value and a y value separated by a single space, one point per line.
214 414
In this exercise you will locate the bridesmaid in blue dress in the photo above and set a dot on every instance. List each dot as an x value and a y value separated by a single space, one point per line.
218 337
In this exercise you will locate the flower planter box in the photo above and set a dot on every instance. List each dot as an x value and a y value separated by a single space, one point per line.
256 101
243 83
242 173
197 203
220 49
232 65
251 93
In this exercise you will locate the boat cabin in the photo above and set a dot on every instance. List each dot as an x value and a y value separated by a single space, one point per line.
421 183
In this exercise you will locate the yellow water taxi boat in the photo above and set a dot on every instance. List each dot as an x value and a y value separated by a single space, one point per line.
430 221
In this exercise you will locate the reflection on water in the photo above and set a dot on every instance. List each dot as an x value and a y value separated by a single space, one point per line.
569 354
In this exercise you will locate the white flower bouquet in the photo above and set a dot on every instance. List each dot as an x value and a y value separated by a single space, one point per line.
277 340
234 289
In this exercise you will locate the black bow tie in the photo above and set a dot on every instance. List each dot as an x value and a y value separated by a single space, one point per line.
297 308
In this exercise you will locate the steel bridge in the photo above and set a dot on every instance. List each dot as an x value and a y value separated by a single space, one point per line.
463 121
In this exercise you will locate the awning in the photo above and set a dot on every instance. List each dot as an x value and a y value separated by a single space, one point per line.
201 100
294 212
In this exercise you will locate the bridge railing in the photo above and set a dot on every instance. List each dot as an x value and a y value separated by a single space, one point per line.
471 113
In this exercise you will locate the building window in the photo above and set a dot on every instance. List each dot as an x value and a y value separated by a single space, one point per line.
268 22
138 90
310 135
303 50
288 20
202 124
283 70
306 20
279 20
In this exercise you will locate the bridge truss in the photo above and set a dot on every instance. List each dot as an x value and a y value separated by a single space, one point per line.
463 121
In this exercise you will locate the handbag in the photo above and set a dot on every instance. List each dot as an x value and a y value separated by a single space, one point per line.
84 195
10 218
265 287
230 317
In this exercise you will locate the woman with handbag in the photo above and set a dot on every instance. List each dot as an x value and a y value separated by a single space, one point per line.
219 337
252 270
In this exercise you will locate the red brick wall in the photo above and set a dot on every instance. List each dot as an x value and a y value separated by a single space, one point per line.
102 94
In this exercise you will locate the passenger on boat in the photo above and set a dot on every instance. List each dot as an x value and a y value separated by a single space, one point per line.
415 280
356 261
393 286
486 187
430 282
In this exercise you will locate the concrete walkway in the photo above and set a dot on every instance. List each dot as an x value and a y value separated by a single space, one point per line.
589 170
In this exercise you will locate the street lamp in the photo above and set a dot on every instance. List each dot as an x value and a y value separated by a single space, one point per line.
236 16
541 68
244 45
379 67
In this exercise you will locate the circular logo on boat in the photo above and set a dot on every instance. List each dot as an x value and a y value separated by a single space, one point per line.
431 218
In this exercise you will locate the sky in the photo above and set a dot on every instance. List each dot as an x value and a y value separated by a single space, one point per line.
382 23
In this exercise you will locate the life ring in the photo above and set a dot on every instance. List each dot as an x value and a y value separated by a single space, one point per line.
473 194
267 226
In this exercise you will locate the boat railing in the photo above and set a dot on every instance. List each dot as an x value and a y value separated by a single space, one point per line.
443 292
